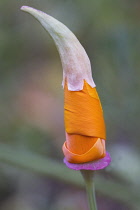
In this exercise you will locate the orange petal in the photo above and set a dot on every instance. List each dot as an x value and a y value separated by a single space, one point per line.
96 152
83 112
85 127
79 144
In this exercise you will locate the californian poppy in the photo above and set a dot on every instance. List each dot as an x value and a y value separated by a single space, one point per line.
84 147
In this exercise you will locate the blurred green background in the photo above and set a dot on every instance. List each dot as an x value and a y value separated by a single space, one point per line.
32 176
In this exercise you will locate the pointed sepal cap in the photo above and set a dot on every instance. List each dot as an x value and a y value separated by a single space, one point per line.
75 62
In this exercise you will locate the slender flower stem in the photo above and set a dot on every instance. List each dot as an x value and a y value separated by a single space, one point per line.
89 182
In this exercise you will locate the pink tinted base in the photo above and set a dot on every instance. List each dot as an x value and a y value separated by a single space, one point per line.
94 165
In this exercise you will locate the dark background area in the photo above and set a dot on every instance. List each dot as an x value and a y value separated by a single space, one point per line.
31 99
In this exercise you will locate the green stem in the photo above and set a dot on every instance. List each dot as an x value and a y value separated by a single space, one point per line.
90 188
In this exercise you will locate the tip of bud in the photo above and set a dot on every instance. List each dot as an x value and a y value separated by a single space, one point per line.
24 8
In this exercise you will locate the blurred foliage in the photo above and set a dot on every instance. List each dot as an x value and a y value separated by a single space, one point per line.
31 97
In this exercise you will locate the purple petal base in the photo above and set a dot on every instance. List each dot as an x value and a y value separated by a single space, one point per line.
94 165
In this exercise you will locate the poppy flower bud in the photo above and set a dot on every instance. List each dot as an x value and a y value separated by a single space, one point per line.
83 114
